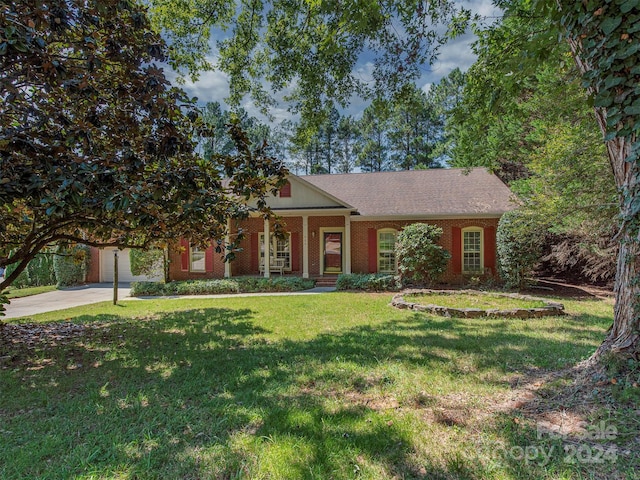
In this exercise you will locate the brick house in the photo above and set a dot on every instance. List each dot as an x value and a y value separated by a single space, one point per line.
347 223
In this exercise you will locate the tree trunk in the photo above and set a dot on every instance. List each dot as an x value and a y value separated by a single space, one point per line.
623 338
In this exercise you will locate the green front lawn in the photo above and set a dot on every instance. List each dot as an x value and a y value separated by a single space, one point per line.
329 386
28 291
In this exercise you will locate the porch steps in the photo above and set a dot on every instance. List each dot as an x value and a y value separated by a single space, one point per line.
329 281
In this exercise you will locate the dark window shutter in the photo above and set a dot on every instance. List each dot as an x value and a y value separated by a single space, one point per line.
456 246
295 251
208 259
490 248
373 250
184 256
255 253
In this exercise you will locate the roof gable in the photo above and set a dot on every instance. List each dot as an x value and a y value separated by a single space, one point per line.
305 195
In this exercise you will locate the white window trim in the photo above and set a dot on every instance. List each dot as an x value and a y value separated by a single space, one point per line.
193 249
473 229
273 250
378 233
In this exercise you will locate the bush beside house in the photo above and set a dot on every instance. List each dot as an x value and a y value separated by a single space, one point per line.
370 282
519 248
222 286
39 272
421 261
71 265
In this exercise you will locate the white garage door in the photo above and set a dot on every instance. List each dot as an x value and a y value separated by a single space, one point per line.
124 267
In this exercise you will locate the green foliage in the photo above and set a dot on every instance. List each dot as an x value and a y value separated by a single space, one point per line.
399 133
274 284
146 262
310 48
201 287
4 300
71 265
222 286
489 125
519 244
39 272
152 289
525 114
370 282
607 39
22 280
413 130
624 373
444 97
421 261
96 147
217 140
371 150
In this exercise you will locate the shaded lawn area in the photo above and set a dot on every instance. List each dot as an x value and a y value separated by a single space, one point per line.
331 386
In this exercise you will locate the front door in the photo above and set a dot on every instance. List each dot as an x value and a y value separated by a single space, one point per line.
332 252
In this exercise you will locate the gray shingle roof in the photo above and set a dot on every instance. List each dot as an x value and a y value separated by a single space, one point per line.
435 192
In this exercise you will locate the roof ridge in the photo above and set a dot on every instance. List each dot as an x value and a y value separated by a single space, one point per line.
388 172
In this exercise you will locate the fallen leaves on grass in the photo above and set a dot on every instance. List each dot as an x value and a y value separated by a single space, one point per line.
38 335
30 337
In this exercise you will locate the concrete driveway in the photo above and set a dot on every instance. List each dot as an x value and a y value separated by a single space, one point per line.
64 298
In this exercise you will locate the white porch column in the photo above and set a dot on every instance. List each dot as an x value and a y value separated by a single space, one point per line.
227 241
305 246
267 249
347 244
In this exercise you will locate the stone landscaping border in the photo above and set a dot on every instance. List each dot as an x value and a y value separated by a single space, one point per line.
550 308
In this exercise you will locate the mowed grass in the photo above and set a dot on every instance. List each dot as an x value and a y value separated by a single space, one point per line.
483 301
28 291
336 386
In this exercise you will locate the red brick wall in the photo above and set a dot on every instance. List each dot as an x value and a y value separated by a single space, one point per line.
360 231
175 266
242 265
93 274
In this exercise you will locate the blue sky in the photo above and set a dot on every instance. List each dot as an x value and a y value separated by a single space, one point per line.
214 85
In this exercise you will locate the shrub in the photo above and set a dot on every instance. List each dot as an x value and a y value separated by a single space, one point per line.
151 289
275 284
39 272
220 286
519 245
71 264
146 262
22 280
206 287
377 282
421 261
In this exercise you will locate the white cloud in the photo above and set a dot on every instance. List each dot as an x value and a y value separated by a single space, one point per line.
484 8
212 86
